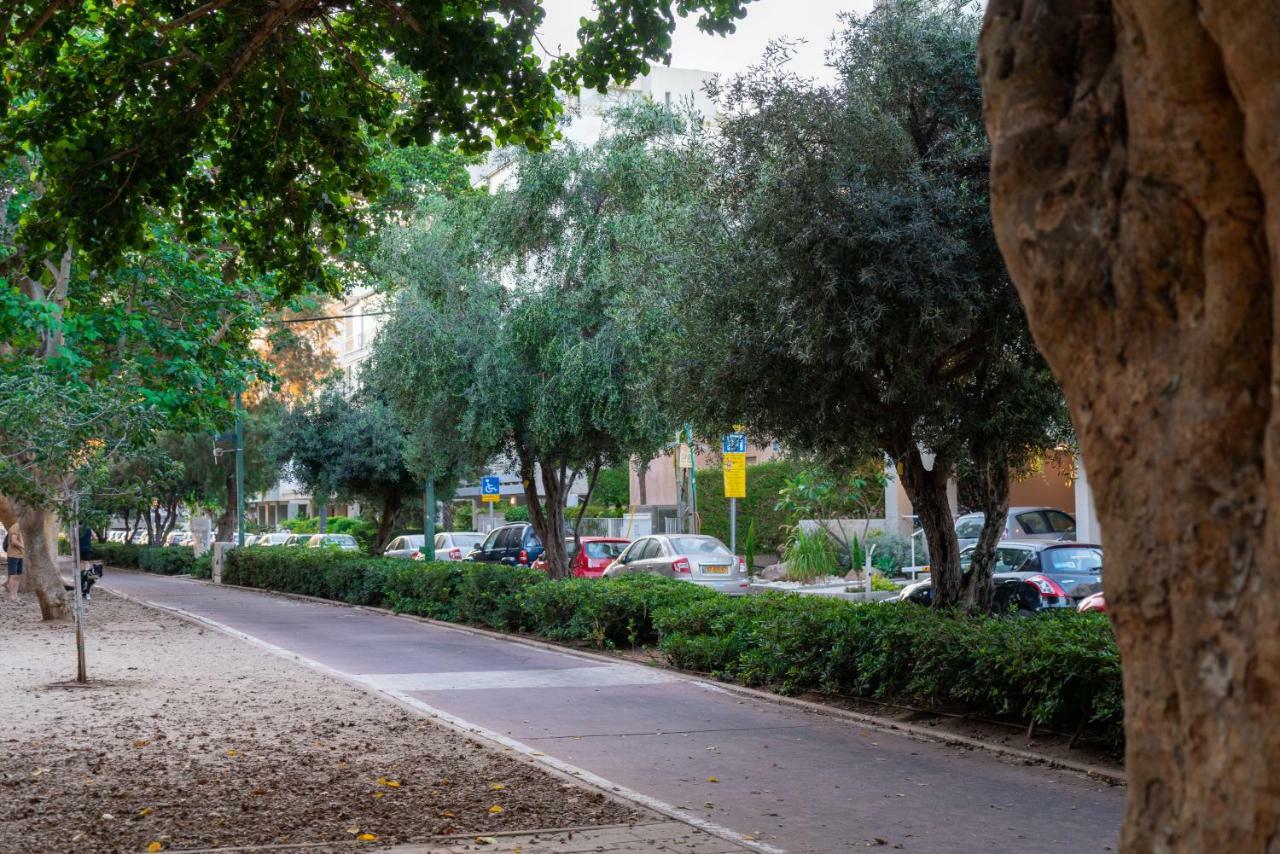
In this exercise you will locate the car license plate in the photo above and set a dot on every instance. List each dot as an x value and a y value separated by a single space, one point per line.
716 569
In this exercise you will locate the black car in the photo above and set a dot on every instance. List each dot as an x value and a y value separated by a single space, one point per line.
514 545
1032 576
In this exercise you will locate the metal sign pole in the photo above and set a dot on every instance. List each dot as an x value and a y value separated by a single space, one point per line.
693 481
82 673
239 471
733 525
429 520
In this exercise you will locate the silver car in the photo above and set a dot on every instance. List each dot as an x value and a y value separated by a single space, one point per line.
408 547
688 557
455 545
344 542
275 538
1022 523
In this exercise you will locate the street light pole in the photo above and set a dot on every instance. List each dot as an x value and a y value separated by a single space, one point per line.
429 519
239 470
693 479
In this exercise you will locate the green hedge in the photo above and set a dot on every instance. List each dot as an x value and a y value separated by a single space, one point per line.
162 560
1061 670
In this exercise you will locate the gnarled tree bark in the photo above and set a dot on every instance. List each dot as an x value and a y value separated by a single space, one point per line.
1136 198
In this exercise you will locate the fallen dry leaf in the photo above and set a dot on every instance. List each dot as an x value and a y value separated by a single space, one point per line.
497 787
488 840
390 784
377 795
155 846
366 837
495 809
144 812
232 752
141 742
713 780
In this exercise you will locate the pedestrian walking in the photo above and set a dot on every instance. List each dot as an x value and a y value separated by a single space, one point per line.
87 574
13 561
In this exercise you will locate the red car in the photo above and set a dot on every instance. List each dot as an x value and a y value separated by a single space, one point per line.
1093 603
594 557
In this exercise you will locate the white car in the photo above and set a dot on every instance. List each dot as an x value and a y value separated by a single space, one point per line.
1022 523
275 538
697 558
455 545
408 546
344 542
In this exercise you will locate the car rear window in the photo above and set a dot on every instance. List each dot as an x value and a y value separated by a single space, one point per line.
969 529
599 550
1067 561
1033 523
698 546
467 541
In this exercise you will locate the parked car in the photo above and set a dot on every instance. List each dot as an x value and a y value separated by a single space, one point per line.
139 537
592 559
117 536
178 538
345 542
408 546
513 545
1022 523
1093 603
1031 576
275 538
688 557
297 539
455 545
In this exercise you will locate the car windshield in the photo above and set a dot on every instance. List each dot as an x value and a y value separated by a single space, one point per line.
602 550
699 546
1068 561
467 541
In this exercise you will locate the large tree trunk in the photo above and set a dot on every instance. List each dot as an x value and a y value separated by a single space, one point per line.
927 489
227 521
642 481
40 574
992 496
1136 198
447 514
547 515
387 522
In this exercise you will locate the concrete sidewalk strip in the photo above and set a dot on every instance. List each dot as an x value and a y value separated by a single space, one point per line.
660 836
576 677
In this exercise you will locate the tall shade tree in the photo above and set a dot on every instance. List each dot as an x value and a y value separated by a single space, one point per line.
536 322
154 340
855 301
1136 195
350 447
252 127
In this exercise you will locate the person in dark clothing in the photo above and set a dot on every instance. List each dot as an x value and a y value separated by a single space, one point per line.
87 573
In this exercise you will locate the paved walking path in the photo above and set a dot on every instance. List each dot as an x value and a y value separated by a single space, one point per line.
779 777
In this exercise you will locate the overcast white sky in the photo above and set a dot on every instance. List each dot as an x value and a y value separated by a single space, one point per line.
811 20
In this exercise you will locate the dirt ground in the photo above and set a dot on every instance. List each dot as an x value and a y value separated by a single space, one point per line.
188 738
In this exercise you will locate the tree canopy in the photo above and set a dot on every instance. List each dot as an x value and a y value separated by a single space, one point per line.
260 119
536 322
854 299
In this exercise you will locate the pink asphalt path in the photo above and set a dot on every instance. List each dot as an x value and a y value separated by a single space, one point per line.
791 779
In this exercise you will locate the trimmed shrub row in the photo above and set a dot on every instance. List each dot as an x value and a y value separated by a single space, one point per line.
163 560
1059 670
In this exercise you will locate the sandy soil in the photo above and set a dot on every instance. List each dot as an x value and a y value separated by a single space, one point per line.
188 738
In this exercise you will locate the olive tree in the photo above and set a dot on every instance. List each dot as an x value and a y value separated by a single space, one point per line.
852 299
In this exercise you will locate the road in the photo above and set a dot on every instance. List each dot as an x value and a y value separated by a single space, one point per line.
784 777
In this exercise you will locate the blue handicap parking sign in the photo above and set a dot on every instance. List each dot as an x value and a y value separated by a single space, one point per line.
490 485
733 443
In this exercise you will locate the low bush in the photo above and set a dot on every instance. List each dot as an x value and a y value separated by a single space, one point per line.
1060 670
163 560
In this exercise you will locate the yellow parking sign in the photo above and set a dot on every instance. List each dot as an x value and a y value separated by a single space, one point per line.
735 475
